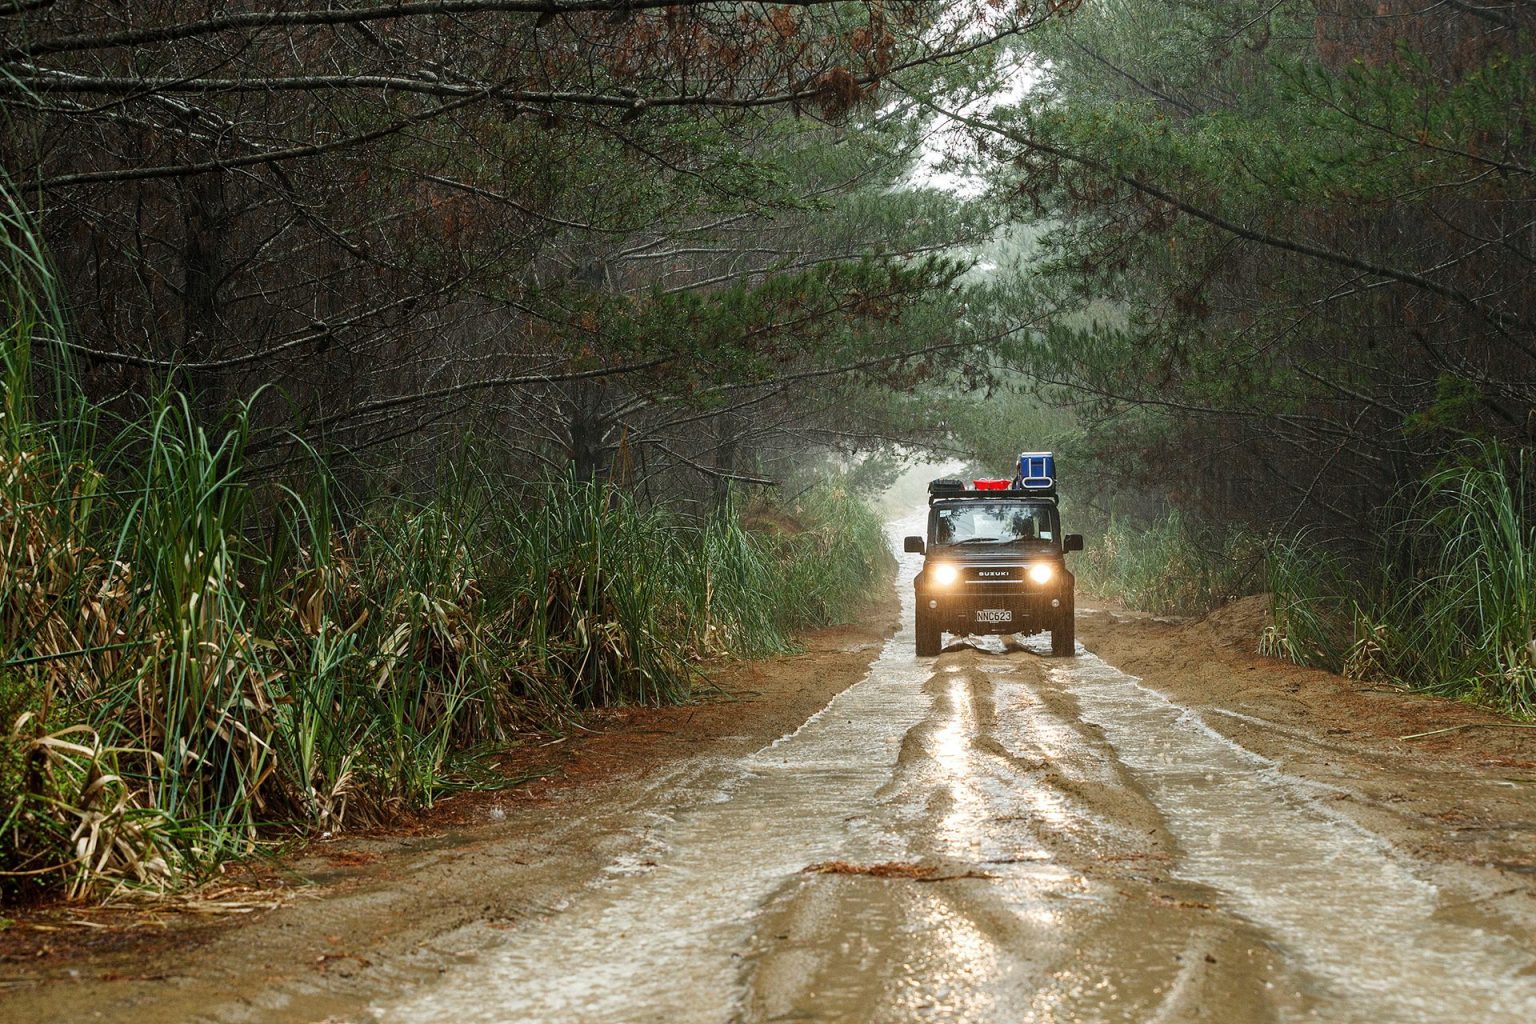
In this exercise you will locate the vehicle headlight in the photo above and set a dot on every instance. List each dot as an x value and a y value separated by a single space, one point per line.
944 575
1041 572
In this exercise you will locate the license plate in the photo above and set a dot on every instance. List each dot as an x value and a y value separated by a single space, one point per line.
994 615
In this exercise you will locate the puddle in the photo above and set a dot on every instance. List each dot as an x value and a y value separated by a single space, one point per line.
1331 894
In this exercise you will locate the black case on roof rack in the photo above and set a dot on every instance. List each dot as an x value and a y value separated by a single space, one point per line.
946 487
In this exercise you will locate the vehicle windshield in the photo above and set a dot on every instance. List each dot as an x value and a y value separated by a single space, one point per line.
987 522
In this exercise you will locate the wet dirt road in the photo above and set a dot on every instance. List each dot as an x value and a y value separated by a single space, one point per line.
995 835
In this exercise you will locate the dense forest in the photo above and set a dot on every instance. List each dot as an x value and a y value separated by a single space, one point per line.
385 379
572 227
1300 238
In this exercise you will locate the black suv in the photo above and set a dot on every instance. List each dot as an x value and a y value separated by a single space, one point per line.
994 563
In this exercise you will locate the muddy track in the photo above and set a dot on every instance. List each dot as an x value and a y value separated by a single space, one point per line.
992 835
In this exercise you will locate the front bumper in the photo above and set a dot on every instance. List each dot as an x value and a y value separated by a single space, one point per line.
992 613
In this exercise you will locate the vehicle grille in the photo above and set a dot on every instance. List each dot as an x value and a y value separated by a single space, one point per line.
983 574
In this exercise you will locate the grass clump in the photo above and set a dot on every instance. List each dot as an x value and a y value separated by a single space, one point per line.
1170 565
177 683
827 559
1447 606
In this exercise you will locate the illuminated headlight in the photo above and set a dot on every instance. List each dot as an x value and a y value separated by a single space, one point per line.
944 575
1041 572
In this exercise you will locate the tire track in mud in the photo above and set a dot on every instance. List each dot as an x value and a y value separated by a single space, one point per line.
1078 921
662 939
1365 922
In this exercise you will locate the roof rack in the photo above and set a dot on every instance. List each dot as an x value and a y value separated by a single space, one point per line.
949 487
1036 477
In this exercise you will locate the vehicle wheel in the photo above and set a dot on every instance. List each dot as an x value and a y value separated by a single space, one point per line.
929 636
1064 636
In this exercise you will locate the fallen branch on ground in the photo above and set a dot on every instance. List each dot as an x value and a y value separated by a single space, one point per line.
892 869
1469 725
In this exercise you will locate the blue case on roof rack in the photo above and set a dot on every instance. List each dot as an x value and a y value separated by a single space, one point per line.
1037 471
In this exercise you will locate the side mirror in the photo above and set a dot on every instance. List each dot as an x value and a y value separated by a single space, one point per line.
1072 542
913 546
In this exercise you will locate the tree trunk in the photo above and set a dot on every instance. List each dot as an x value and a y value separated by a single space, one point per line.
206 226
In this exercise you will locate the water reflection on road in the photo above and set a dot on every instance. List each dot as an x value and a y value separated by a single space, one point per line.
1070 847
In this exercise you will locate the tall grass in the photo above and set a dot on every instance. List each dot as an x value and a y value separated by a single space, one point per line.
210 686
194 658
828 551
1446 605
1171 565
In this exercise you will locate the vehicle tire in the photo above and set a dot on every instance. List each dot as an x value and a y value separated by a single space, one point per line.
929 636
1064 635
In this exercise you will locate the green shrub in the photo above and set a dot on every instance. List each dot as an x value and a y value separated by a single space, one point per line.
1170 565
1445 604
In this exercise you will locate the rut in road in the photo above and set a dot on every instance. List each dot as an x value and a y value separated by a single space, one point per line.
1107 856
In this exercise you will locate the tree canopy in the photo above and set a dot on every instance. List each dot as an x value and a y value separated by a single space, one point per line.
579 225
1295 238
